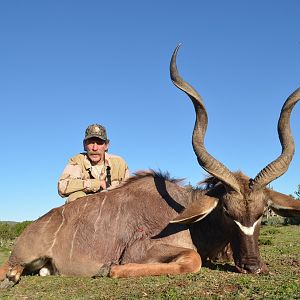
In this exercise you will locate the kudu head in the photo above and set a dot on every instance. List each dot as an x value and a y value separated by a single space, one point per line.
241 200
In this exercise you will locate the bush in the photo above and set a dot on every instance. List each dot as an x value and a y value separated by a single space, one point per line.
19 227
10 231
273 221
7 231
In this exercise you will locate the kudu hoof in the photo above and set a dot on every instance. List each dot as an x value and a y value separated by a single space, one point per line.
6 283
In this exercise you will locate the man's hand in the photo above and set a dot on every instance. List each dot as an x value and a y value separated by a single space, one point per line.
102 185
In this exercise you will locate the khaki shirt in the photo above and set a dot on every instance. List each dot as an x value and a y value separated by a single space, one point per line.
80 178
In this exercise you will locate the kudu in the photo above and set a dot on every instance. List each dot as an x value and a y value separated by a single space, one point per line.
152 225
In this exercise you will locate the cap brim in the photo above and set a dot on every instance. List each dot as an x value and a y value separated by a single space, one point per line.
95 136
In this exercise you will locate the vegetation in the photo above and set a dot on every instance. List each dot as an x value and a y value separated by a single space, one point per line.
297 193
279 247
9 231
294 220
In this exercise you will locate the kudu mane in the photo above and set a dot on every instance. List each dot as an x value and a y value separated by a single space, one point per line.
150 173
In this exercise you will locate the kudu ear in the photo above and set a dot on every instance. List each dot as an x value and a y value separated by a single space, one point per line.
197 210
283 205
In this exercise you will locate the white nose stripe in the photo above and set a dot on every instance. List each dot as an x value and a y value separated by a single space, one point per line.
247 230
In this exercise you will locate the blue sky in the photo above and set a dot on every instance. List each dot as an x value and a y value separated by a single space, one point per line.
67 64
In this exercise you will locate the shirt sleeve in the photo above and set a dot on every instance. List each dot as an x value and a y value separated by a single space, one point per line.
72 180
127 172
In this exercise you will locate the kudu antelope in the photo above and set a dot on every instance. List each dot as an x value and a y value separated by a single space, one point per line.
152 225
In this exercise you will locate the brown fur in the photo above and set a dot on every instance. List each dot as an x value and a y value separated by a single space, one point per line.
115 227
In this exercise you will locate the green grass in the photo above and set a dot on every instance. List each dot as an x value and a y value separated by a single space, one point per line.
4 253
282 253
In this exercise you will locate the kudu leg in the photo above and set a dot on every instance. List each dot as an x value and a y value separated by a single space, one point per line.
186 261
3 271
9 276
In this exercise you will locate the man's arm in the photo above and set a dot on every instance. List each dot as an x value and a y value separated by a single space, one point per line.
72 180
127 172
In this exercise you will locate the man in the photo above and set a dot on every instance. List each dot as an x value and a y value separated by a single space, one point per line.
94 170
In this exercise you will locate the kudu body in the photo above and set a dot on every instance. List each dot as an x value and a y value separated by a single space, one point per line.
151 225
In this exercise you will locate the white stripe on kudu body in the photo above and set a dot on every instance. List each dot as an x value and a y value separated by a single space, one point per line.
75 232
58 229
245 229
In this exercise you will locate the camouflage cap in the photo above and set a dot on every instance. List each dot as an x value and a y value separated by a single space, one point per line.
95 130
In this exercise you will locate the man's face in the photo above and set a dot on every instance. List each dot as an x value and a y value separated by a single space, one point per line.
95 149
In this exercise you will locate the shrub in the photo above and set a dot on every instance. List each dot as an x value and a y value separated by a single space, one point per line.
19 227
273 221
7 231
10 231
